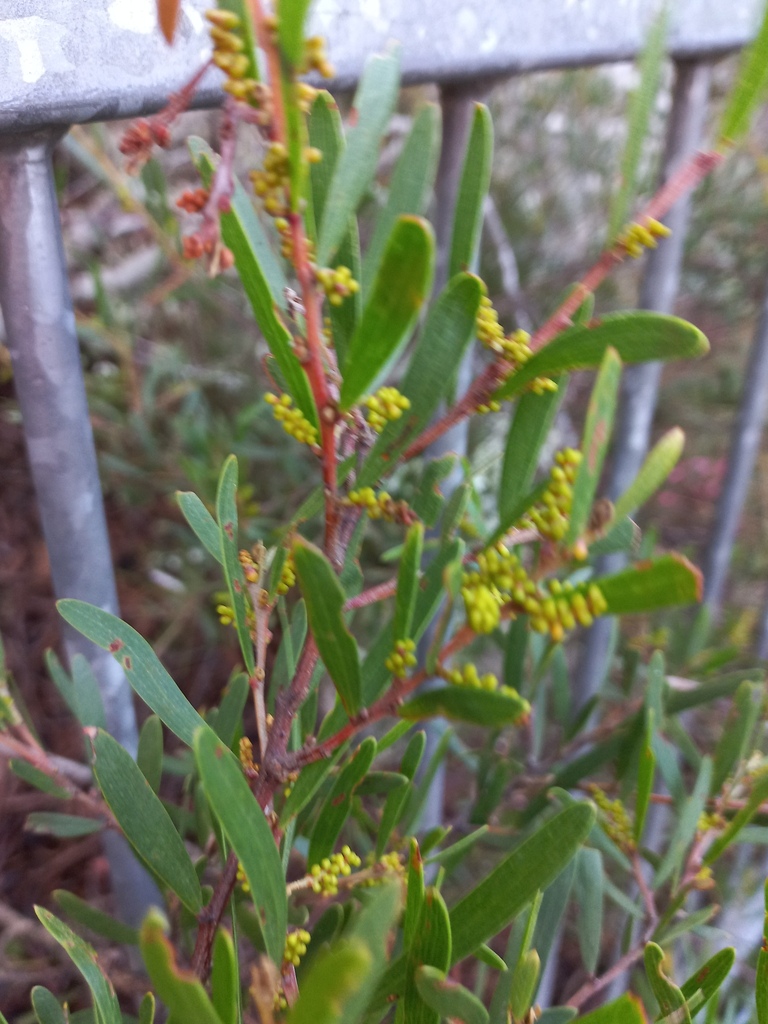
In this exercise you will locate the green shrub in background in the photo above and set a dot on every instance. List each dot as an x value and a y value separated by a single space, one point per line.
297 882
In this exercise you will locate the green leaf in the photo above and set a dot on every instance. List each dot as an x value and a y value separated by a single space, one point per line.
61 680
84 958
325 134
467 704
262 278
594 445
65 826
448 998
345 319
761 981
143 819
528 430
473 188
390 313
179 988
668 995
47 1007
686 823
487 956
398 800
149 756
749 90
734 744
659 463
623 535
637 336
336 976
325 599
408 583
373 926
449 327
338 803
641 107
451 855
430 943
588 885
758 794
659 583
141 665
230 716
291 15
224 978
646 770
37 778
200 521
524 981
311 779
410 187
373 104
90 708
226 513
147 1009
96 920
627 1009
250 835
705 982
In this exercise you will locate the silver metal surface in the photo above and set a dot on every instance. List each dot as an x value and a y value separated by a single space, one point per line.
40 333
72 61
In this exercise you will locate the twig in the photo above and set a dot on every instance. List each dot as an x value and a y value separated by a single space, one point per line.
595 985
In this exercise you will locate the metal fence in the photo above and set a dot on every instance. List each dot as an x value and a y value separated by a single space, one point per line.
76 61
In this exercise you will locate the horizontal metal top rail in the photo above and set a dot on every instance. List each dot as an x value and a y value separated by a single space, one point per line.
72 61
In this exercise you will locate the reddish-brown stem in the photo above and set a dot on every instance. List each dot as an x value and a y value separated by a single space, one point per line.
378 593
595 985
210 916
685 179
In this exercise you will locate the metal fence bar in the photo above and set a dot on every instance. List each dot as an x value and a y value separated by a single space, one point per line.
640 384
40 328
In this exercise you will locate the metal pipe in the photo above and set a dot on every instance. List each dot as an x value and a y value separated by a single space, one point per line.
42 340
640 384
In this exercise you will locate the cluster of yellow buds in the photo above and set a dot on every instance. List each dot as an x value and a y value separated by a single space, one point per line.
636 237
489 330
293 420
295 946
550 516
251 568
287 575
337 284
272 181
226 613
514 347
315 57
499 578
491 406
468 675
614 819
245 751
230 54
565 607
387 404
388 865
382 506
402 658
242 880
325 875
305 96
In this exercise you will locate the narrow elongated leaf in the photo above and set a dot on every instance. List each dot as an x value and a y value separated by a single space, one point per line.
224 978
660 583
308 783
589 893
401 286
705 982
473 188
373 926
449 327
659 463
373 104
179 988
249 834
466 704
147 1009
143 819
37 778
338 804
61 680
90 708
345 319
398 800
529 429
410 187
96 920
336 976
646 769
637 336
524 981
141 665
627 1009
226 513
84 958
430 943
291 15
668 995
149 756
641 108
758 794
201 522
325 599
734 742
749 89
408 583
325 134
230 716
448 998
66 826
47 1007
262 278
761 981
594 445
686 823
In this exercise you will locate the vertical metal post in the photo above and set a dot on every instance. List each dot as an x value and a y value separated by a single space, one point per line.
40 328
640 383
